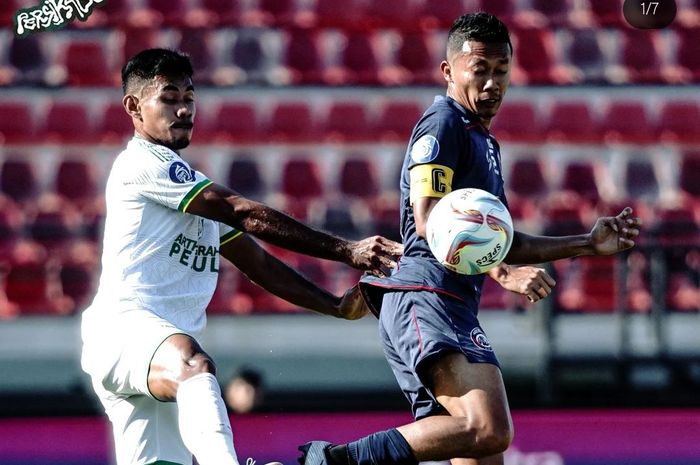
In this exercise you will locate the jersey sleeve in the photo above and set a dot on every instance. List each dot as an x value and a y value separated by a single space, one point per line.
167 179
227 234
433 156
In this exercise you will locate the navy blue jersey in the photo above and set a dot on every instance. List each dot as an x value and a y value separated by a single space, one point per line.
449 149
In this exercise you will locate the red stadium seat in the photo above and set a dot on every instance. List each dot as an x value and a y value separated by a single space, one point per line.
136 39
226 12
18 179
27 56
440 15
302 57
586 54
55 224
689 173
68 122
277 12
642 64
688 51
358 60
244 177
397 120
170 12
527 179
352 17
12 221
593 287
386 216
76 180
579 177
347 121
19 128
235 121
338 219
627 121
9 8
292 121
534 55
564 215
415 57
195 41
358 178
86 65
519 121
572 122
116 125
32 282
607 13
301 179
247 55
555 11
679 122
391 14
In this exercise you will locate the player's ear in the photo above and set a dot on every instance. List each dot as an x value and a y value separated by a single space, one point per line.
131 105
446 71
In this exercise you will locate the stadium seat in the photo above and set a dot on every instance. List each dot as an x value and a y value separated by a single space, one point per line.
12 221
248 57
137 38
534 55
68 123
112 12
607 13
18 179
397 119
301 179
579 177
78 273
277 13
440 15
195 41
688 51
564 215
358 60
689 174
225 12
358 178
27 57
170 12
244 177
639 58
526 178
347 121
386 216
292 121
32 282
640 179
586 54
571 121
115 126
55 225
593 288
679 122
618 125
416 60
76 180
302 57
235 122
86 65
19 127
517 121
556 12
352 17
391 14
338 219
9 7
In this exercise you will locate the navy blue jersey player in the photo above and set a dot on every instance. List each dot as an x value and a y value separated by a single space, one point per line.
428 315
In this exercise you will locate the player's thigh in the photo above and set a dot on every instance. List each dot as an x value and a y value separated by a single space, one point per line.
473 390
146 431
177 358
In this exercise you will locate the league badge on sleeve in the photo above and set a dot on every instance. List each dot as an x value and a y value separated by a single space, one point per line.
180 173
425 149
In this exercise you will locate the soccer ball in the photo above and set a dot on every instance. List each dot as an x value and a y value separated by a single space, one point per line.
469 231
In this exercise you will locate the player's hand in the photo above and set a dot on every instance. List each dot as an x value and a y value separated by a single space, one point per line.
375 254
533 282
613 234
352 306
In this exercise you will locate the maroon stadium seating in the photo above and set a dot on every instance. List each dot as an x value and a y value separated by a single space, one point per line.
68 122
358 178
17 124
86 65
679 122
517 120
347 121
18 179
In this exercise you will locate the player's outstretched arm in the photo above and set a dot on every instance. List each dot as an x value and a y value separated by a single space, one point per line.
533 282
610 235
278 278
374 254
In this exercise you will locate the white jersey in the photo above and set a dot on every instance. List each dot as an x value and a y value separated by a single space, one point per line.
156 257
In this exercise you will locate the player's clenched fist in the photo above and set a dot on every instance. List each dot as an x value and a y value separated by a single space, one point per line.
375 254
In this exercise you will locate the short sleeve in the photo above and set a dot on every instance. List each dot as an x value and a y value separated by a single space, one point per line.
227 234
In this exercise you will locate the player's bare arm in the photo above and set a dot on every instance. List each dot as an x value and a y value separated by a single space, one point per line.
278 278
375 254
610 235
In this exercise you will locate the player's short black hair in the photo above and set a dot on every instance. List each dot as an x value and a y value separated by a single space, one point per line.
481 27
153 62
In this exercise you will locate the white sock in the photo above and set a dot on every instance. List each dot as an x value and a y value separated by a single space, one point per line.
204 424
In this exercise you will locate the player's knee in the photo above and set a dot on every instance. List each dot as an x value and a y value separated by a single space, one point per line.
485 437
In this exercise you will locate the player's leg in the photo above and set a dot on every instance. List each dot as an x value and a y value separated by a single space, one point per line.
181 371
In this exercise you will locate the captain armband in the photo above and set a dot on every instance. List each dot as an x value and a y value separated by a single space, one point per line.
430 181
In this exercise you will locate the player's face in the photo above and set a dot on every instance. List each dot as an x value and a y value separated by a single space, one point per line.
478 77
167 111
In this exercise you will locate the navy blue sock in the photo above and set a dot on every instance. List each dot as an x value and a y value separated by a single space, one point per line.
384 448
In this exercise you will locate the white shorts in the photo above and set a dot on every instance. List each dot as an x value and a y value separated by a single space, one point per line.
117 353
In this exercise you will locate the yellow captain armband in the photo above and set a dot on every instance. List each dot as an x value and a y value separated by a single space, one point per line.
430 181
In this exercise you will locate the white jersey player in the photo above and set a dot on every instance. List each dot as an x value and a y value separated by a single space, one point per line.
167 226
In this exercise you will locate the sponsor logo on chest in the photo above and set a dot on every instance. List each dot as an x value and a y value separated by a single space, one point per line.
200 258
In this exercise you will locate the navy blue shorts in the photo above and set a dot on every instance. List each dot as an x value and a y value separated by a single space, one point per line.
416 326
